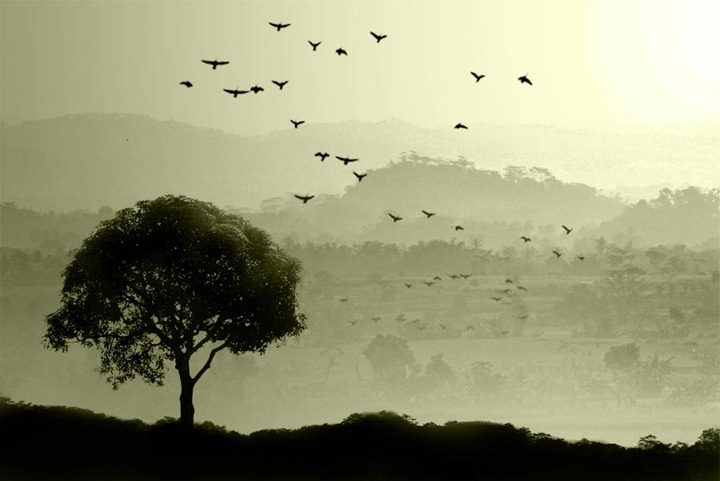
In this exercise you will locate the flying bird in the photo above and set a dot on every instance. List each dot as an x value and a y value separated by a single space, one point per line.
304 198
352 323
442 326
459 227
256 88
341 51
460 126
522 288
314 45
235 92
582 258
524 80
558 254
378 37
376 319
408 285
525 239
343 299
186 83
345 160
477 76
297 123
437 278
428 214
280 84
495 298
568 230
508 281
395 218
360 177
215 63
322 155
428 283
465 276
279 26
454 276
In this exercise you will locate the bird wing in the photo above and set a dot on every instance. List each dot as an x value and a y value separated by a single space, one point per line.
222 63
209 62
274 24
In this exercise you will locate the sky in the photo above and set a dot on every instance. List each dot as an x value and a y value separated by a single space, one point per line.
592 63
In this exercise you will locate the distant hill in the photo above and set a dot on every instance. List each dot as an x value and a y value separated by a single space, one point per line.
65 443
90 160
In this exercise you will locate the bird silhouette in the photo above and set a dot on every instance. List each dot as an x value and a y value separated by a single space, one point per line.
395 218
345 160
495 298
314 45
558 254
235 92
341 51
568 230
428 283
279 26
428 214
376 319
460 126
415 321
378 37
477 76
215 63
437 278
525 80
297 123
465 276
525 239
322 155
523 317
459 227
186 83
522 288
360 177
256 88
508 281
343 299
352 323
304 198
582 258
408 285
454 276
280 84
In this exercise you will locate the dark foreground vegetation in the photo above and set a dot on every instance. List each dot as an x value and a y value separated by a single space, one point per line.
41 443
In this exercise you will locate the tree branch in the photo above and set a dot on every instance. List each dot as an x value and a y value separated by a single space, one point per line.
207 364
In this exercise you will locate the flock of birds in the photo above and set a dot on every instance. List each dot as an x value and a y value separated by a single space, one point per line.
346 160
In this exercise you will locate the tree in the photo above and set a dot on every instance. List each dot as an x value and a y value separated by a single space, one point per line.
390 357
171 279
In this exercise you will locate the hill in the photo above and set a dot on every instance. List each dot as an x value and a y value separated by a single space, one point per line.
65 443
90 160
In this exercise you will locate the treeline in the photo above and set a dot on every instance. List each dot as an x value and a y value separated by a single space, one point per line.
65 443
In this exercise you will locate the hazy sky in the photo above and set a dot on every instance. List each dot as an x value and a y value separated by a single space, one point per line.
591 62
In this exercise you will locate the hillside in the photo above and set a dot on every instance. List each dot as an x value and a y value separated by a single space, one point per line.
90 160
65 443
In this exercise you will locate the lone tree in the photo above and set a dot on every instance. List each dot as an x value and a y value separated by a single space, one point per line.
170 279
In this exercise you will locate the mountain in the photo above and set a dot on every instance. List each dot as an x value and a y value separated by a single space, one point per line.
91 160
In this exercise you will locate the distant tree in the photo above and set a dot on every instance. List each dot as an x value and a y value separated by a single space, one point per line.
169 279
709 440
651 443
390 357
623 357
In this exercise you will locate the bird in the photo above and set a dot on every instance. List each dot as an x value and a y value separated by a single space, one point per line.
322 155
360 177
508 281
568 230
454 276
395 218
186 83
304 198
428 283
442 326
582 258
525 80
376 319
314 45
459 227
235 92
494 298
343 299
215 63
415 321
558 254
256 88
341 51
378 37
428 214
352 323
345 160
525 239
523 317
280 84
437 278
279 26
465 276
460 126
522 288
477 76
408 285
297 123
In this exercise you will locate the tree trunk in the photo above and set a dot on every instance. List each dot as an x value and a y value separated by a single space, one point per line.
187 385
